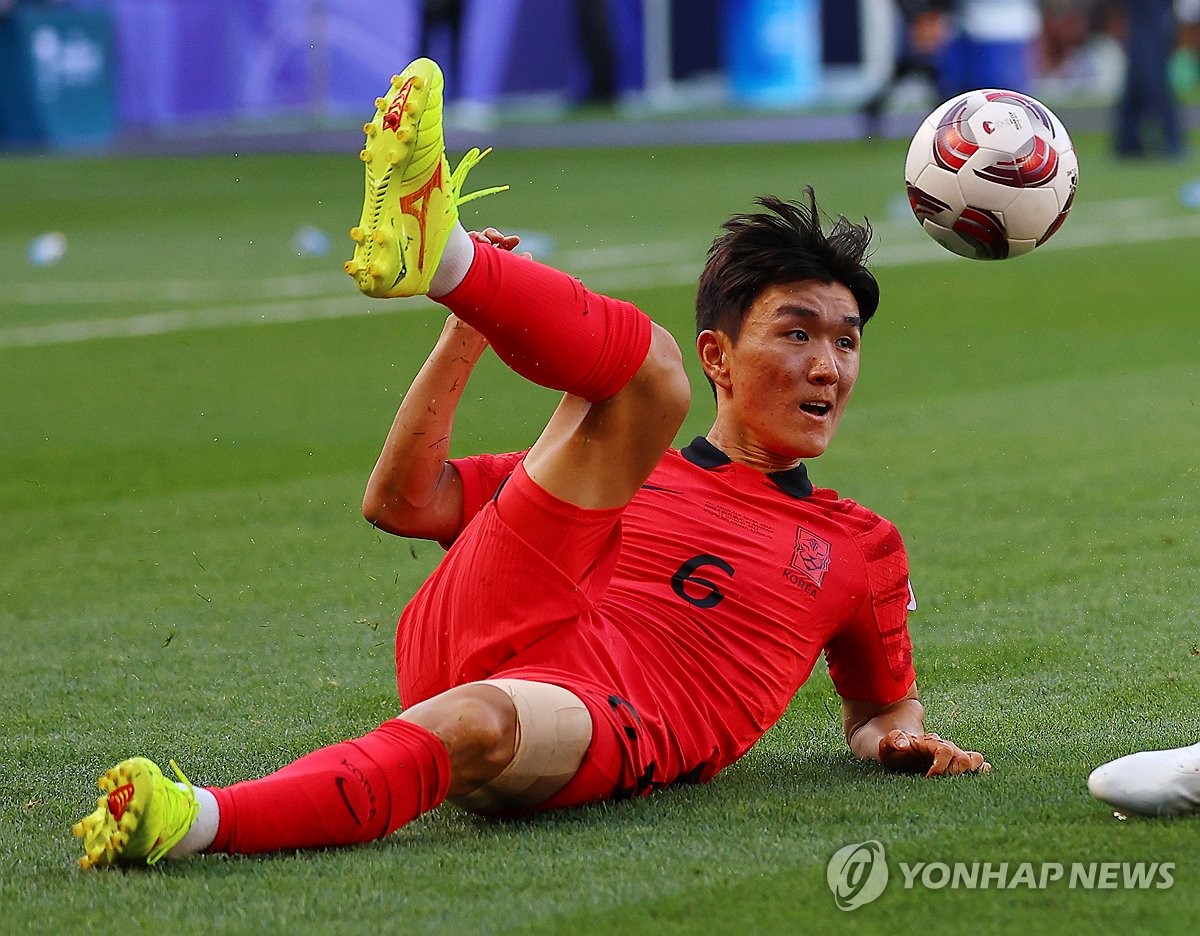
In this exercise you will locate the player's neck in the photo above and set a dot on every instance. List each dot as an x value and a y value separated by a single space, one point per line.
745 452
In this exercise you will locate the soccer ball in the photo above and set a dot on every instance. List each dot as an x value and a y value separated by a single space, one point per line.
991 174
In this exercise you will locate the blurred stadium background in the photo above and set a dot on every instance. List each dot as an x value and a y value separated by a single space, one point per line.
133 75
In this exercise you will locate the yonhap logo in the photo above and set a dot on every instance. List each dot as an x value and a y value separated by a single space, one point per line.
857 874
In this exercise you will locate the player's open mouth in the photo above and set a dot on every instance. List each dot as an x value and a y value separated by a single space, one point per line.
816 409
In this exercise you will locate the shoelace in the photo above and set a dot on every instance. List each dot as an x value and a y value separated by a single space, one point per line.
469 161
181 811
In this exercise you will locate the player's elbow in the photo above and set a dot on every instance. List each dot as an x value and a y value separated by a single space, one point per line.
381 511
399 516
390 511
419 510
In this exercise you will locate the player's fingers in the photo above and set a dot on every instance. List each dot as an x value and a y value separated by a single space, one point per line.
975 762
896 744
943 755
494 237
507 241
964 762
901 751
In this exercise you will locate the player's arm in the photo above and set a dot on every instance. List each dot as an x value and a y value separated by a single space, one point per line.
413 490
895 736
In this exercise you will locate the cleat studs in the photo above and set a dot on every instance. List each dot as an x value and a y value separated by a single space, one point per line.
379 237
397 82
380 103
369 129
392 157
350 267
364 155
356 235
374 270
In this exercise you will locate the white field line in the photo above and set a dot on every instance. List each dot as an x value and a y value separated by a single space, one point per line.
622 255
607 269
275 287
161 323
310 285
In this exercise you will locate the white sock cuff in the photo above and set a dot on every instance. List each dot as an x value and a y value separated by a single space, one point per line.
457 257
204 830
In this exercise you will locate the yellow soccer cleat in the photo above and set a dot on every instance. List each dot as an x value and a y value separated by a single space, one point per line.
412 197
140 817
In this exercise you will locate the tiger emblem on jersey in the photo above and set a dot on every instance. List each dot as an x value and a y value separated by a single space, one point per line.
811 555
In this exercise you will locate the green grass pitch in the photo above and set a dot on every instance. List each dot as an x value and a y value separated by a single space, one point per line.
190 410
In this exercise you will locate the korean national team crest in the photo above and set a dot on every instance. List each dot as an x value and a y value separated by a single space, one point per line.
811 555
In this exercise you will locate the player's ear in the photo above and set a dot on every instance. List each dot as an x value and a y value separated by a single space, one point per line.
713 349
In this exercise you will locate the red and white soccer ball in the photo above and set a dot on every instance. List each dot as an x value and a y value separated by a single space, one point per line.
991 174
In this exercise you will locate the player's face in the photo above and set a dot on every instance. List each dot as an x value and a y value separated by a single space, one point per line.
785 382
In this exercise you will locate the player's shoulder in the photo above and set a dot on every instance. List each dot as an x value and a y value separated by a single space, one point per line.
675 462
858 519
830 500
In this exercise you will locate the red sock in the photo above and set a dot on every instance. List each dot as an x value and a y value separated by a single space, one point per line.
352 792
548 327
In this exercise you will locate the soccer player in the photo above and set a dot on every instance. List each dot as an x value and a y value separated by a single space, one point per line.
613 615
1151 783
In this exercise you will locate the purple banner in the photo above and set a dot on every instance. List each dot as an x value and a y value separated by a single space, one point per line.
203 61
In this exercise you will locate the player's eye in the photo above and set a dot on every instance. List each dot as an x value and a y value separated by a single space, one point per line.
847 342
799 334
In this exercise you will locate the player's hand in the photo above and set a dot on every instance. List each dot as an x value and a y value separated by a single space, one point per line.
905 752
496 239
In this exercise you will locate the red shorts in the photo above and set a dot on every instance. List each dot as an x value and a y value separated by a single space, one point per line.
516 597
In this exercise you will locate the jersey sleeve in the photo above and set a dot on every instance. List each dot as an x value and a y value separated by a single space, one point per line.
870 658
481 477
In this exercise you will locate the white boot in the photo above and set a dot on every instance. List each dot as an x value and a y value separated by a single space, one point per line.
1151 783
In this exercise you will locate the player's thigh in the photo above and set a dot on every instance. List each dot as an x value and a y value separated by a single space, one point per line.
597 455
505 584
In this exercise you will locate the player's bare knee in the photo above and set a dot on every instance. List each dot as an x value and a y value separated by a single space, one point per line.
478 725
553 732
661 382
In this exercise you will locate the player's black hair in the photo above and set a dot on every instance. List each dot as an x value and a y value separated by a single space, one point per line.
784 244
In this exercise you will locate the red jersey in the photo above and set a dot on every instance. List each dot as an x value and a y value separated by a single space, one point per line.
728 585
